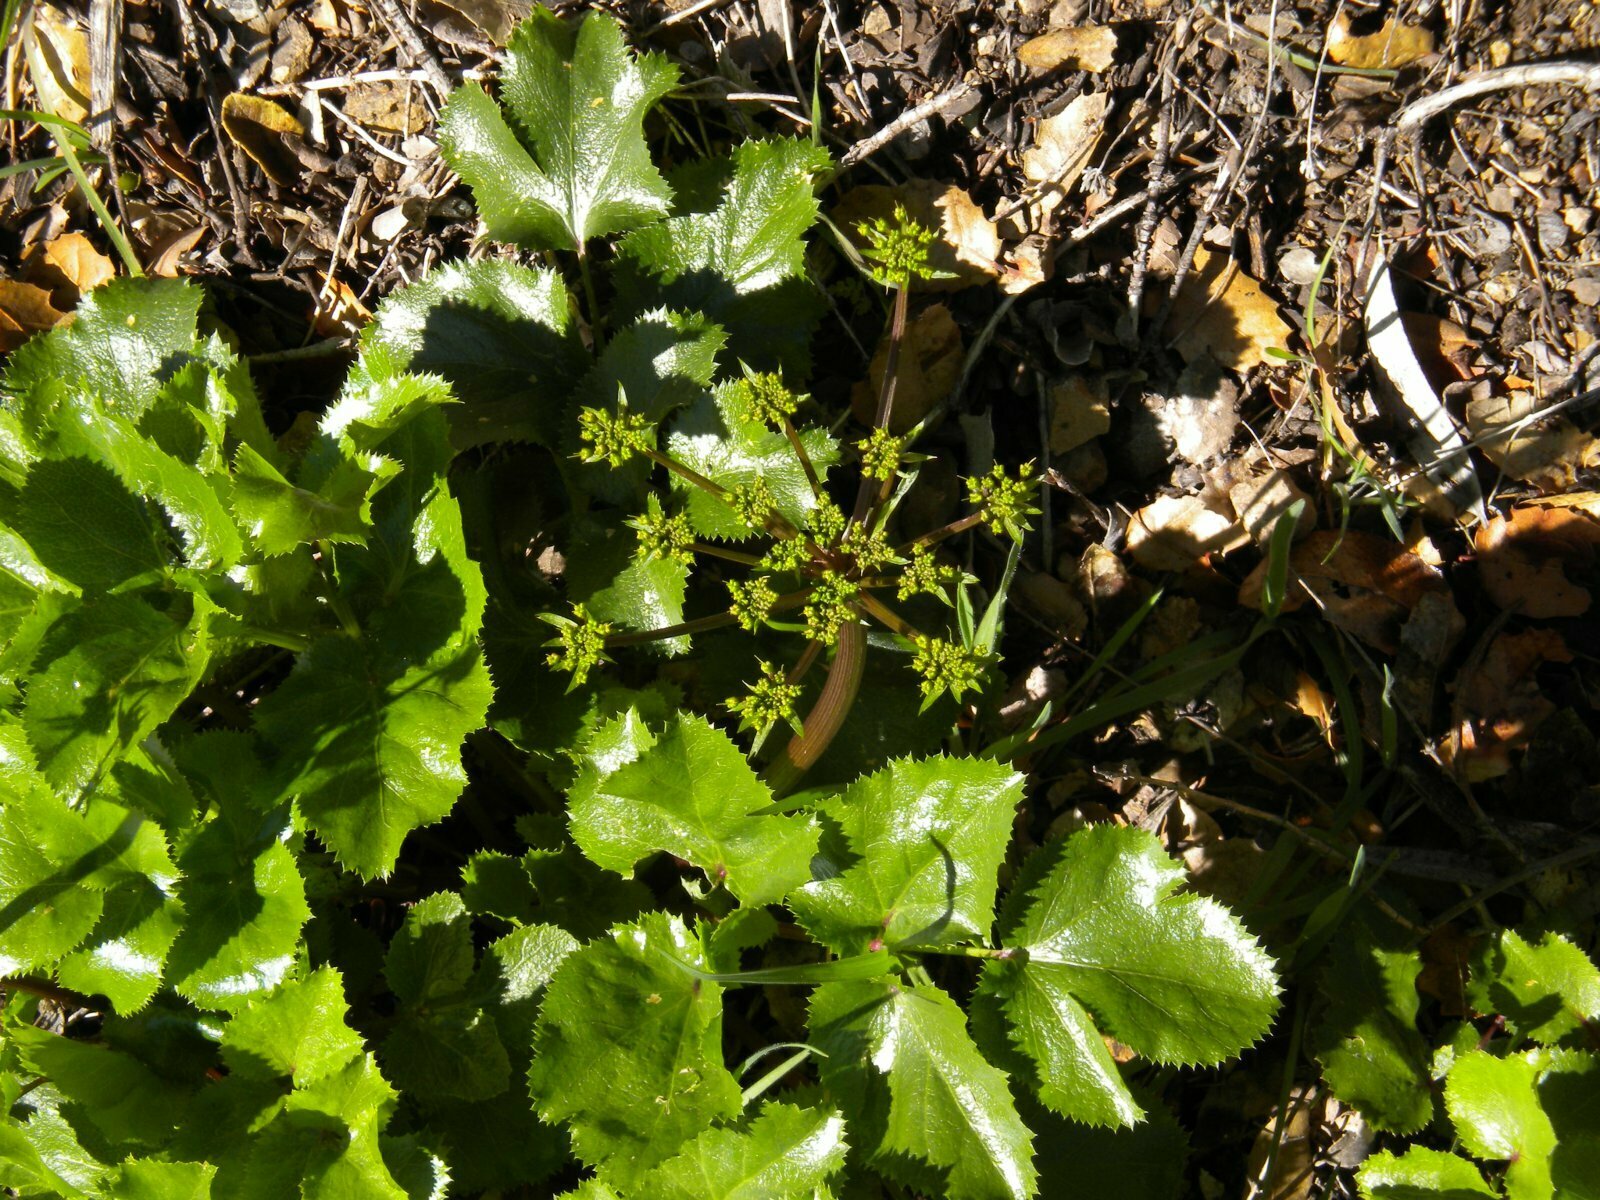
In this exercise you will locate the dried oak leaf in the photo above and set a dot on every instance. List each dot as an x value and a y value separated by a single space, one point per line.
1223 312
1080 48
1548 454
1080 410
68 267
1500 702
1063 145
1524 557
25 309
263 131
1395 45
1365 584
1173 533
930 365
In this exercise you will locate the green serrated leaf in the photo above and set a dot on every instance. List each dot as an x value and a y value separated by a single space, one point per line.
1175 976
453 1052
119 1096
785 1153
1494 1104
500 334
1545 989
279 516
1420 1174
246 904
432 956
371 757
106 675
711 438
497 885
690 793
84 525
916 857
298 1030
149 1179
124 340
577 167
125 958
46 850
45 1149
85 428
743 264
903 1067
629 1049
1366 1039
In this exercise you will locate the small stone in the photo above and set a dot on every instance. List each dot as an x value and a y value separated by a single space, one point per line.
1586 290
1300 266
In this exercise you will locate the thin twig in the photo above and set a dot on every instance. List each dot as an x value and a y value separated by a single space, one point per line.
416 45
1414 116
877 141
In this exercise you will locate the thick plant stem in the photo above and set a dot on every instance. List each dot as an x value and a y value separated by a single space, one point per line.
799 448
891 369
827 715
950 530
591 301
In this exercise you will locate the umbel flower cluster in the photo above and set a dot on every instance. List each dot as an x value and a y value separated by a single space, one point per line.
835 573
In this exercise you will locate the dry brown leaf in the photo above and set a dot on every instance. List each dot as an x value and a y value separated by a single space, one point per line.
340 311
168 252
262 129
1547 454
1259 500
1222 312
1063 145
930 365
1080 410
1173 533
1500 703
57 51
386 107
1365 584
968 246
1309 700
1026 265
1081 48
1291 1155
1524 557
68 267
1395 45
25 310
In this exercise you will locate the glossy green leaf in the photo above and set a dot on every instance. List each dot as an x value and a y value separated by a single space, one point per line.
151 1179
743 265
246 904
431 956
905 1071
1366 1039
278 516
124 340
46 851
576 165
298 1030
915 859
84 525
106 675
86 428
1173 975
124 1100
1420 1174
1494 1105
369 758
689 792
1545 989
606 575
784 1153
500 334
629 1049
711 439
